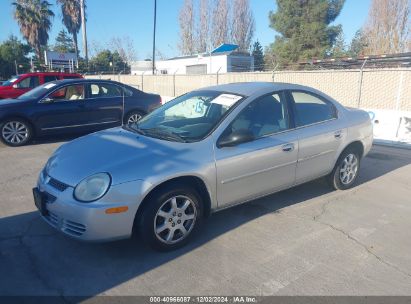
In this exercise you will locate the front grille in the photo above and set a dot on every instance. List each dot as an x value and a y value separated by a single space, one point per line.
60 186
73 228
49 197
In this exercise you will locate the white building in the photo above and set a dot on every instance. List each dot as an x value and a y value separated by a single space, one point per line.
224 59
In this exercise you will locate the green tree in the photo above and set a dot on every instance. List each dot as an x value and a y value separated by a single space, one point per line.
34 19
358 44
304 28
12 52
340 48
101 62
71 17
64 43
258 56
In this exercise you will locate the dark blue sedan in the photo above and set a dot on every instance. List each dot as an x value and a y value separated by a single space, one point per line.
71 106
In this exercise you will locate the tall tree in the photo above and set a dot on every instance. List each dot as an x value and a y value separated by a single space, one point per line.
339 48
258 56
187 28
71 17
203 27
388 27
12 52
220 23
304 28
64 43
358 44
125 48
101 62
243 25
34 19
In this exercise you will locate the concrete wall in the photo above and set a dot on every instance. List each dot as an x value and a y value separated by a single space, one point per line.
371 89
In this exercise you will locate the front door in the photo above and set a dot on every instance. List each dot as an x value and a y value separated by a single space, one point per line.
64 110
264 165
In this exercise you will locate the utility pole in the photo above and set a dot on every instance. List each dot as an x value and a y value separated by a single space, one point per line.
83 22
154 36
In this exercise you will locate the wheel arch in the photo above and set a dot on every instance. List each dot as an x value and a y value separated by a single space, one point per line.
356 145
191 180
21 117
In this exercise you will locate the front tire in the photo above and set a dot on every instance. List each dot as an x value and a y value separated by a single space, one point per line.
346 170
15 132
171 218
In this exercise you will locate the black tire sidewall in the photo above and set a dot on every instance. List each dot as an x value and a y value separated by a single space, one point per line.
146 225
336 181
28 126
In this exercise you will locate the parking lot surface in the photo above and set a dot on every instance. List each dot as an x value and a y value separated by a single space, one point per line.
308 240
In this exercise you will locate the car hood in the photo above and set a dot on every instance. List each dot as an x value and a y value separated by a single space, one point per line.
125 155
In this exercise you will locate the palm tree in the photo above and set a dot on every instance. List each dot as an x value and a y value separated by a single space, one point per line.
71 14
34 18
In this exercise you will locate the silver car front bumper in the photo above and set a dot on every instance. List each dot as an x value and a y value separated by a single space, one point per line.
89 221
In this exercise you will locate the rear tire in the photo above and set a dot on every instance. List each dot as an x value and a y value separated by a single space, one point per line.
171 217
133 117
15 132
346 170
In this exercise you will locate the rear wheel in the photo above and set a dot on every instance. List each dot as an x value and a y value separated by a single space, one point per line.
346 170
133 117
171 218
15 132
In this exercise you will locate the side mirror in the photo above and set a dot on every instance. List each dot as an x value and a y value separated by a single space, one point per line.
235 138
47 100
16 86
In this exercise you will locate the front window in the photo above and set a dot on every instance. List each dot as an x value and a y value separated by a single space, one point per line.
29 82
189 117
11 81
71 92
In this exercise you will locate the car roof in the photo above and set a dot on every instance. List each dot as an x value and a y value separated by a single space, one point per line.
251 88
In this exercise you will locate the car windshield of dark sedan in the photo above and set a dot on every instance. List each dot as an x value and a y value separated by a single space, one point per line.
189 117
11 81
38 92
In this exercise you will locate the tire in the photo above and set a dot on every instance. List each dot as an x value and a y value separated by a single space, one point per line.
346 170
133 117
15 132
158 221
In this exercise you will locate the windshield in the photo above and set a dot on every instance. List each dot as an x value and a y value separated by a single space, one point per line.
39 91
11 81
187 118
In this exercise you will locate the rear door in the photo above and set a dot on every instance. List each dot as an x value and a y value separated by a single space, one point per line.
320 134
105 104
63 110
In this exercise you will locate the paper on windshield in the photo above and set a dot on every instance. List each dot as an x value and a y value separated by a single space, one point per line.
49 86
226 99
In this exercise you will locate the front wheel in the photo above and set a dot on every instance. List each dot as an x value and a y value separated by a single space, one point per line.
15 132
346 170
171 218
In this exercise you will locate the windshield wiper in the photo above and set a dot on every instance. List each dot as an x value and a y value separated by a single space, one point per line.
160 133
134 128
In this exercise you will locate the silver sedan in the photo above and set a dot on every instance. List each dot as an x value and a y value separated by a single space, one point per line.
201 152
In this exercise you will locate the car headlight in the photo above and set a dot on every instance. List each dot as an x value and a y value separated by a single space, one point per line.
93 187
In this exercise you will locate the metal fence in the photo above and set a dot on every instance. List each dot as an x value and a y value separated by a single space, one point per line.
388 89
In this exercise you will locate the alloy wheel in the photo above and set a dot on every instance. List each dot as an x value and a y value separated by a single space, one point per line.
15 132
175 219
349 169
134 118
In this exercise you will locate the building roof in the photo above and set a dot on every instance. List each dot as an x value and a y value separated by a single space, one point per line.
224 48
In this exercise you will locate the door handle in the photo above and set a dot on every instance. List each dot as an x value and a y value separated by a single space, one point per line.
338 134
288 147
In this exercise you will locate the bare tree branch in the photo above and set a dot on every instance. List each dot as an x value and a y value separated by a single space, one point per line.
187 28
243 25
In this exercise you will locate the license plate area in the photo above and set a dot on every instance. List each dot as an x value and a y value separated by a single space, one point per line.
40 200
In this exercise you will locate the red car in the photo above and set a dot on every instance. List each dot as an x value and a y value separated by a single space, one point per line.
20 84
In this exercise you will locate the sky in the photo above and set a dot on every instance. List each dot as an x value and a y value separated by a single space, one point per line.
134 18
